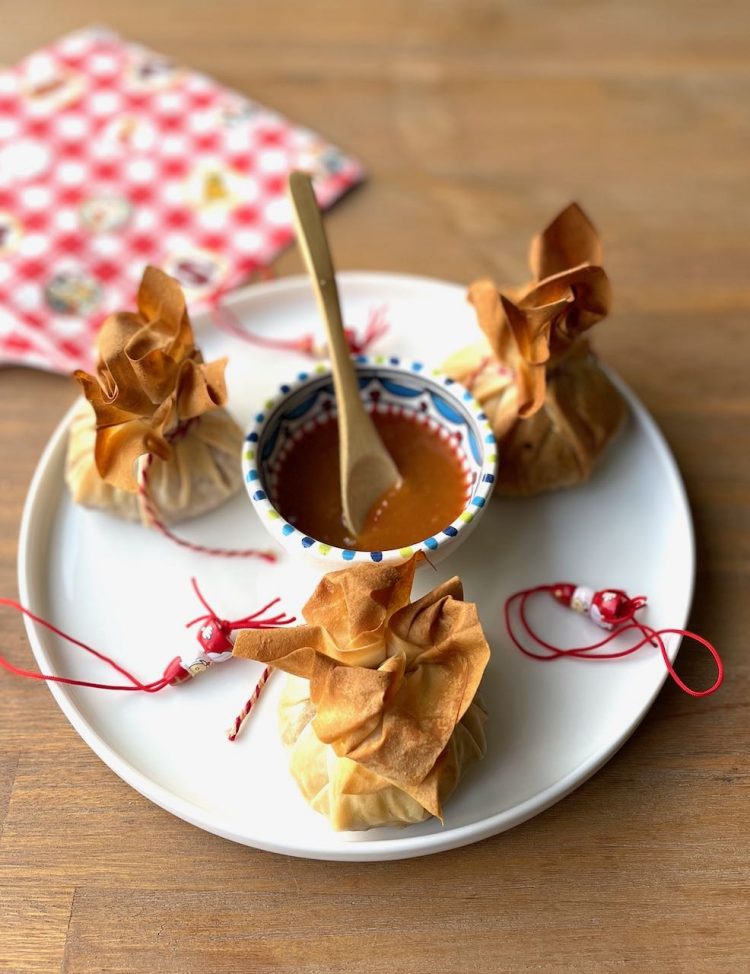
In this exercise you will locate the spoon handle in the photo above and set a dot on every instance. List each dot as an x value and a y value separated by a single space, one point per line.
313 243
367 469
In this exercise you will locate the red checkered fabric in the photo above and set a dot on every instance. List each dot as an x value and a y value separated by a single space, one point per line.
112 157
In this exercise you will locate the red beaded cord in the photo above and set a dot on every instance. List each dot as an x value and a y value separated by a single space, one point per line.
175 672
135 683
620 625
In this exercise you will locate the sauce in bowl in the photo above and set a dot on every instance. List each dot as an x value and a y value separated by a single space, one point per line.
307 487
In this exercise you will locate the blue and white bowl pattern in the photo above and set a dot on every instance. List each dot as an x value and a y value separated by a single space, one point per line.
387 385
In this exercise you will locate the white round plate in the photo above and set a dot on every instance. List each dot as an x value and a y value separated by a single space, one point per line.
126 590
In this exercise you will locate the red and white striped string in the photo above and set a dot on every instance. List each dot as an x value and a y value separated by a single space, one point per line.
152 517
242 716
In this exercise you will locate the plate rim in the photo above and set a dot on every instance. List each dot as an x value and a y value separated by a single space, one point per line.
371 850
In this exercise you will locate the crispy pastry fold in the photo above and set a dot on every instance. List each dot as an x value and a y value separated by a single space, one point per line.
382 704
550 404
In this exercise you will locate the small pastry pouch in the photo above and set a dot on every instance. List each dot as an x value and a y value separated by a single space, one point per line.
153 394
380 712
552 407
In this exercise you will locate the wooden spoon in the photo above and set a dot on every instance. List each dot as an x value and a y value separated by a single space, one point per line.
367 470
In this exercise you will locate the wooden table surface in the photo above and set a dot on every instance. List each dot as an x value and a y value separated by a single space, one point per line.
477 120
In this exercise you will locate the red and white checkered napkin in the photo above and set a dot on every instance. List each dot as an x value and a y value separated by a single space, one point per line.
112 157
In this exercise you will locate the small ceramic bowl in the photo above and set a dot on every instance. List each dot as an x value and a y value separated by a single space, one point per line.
385 384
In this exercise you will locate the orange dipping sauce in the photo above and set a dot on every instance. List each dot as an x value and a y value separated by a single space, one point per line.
432 493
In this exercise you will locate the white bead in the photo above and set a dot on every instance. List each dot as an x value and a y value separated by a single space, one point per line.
582 598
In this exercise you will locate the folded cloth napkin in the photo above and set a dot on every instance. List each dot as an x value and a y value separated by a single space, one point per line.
112 157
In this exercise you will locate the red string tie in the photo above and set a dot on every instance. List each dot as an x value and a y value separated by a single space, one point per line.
610 609
153 518
214 637
377 326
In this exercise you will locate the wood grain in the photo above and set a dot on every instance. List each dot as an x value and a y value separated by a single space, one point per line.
476 120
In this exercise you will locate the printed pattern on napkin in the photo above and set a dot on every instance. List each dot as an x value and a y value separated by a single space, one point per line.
112 157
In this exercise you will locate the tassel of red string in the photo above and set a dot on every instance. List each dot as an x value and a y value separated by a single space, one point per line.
610 609
377 325
213 637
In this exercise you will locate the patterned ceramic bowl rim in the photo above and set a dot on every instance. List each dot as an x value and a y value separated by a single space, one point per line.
297 541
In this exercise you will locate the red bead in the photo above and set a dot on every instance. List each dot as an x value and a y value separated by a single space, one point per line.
563 592
213 638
